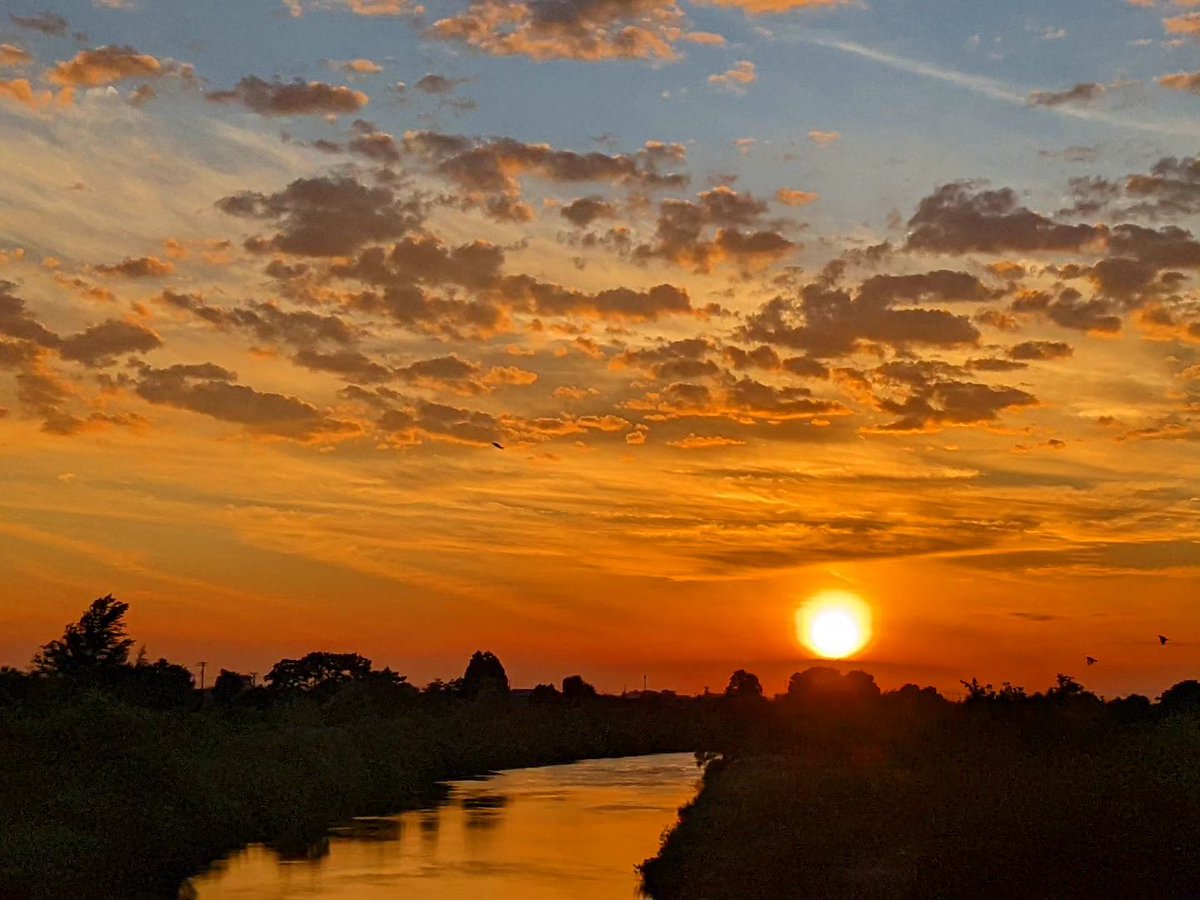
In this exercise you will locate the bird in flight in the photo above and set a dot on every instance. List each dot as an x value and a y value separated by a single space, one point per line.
1162 640
497 446
1091 660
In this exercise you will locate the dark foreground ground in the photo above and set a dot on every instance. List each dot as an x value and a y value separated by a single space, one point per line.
1058 796
102 800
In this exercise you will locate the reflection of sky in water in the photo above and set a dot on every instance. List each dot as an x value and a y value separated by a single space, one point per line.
573 831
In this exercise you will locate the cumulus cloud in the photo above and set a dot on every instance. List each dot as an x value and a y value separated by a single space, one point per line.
929 400
1181 81
488 172
825 320
790 197
773 7
12 56
721 225
956 218
136 267
105 65
582 30
211 390
101 344
1040 350
292 98
329 216
586 210
737 79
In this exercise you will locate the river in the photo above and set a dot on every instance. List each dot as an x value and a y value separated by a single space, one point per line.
572 831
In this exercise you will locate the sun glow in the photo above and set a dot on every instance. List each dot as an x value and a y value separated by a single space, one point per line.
834 624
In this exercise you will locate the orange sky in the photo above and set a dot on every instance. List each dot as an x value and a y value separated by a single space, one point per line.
758 299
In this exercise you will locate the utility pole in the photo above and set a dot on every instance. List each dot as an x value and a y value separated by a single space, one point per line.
202 664
643 683
253 679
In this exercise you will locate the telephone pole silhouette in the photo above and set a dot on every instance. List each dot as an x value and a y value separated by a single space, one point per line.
202 665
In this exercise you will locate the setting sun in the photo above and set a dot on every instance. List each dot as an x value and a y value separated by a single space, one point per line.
834 624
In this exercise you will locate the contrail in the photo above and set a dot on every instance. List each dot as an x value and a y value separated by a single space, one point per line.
998 90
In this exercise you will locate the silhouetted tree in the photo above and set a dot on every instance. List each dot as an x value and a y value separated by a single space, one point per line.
1065 688
94 645
544 693
743 684
317 671
158 685
1182 696
575 690
14 685
229 686
484 674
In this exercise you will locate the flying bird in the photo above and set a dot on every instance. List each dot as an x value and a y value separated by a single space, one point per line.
1091 660
497 446
1162 640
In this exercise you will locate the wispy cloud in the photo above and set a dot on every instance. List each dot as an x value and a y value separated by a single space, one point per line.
997 90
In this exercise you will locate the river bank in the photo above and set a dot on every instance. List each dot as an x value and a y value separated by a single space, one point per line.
100 799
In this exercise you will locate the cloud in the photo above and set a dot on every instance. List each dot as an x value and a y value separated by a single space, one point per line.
101 344
736 79
930 401
16 321
789 197
329 216
210 390
1187 24
47 23
1084 92
1181 81
22 92
824 138
704 442
13 56
139 267
358 66
720 225
105 65
777 7
489 172
956 218
292 98
593 31
828 321
438 84
586 210
1040 350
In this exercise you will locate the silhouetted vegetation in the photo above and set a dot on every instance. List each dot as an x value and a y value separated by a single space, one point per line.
120 779
846 791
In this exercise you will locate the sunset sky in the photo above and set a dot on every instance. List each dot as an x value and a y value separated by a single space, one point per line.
759 297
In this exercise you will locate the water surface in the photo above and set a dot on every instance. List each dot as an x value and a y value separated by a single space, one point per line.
573 831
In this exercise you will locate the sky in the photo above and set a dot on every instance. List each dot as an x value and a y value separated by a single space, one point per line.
603 333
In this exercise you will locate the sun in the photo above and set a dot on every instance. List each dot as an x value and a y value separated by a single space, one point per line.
834 624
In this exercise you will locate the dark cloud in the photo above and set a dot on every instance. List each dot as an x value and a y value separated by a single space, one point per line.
1040 350
1170 189
955 218
330 216
46 22
292 98
720 225
1071 310
581 30
489 172
137 267
352 365
586 210
210 390
439 84
17 322
933 404
826 321
1085 92
267 321
101 344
